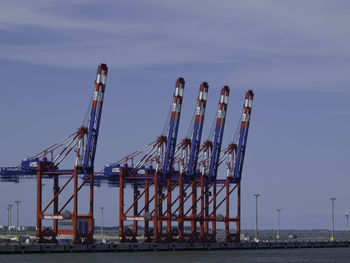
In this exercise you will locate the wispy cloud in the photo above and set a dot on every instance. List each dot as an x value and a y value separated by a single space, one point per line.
275 41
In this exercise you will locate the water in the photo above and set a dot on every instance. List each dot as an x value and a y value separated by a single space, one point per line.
319 255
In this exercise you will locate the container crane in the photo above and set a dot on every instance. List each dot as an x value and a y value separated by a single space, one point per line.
83 143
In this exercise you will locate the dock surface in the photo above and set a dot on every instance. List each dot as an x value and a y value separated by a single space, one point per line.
133 247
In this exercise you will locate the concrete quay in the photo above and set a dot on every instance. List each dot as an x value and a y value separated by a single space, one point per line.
133 247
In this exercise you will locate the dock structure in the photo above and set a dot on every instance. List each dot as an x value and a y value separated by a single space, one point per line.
176 186
175 246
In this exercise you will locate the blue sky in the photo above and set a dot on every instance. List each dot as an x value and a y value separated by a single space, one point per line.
293 54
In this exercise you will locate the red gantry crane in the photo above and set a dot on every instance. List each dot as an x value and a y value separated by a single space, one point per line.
178 185
82 144
178 194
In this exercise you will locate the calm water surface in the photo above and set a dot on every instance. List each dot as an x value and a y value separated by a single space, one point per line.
320 255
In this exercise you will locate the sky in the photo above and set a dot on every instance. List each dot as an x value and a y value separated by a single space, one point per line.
294 55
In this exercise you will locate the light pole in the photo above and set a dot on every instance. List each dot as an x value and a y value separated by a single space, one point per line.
346 221
332 199
102 207
10 217
17 217
256 217
278 220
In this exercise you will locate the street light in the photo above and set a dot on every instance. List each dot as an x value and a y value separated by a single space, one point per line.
17 217
346 221
256 217
102 207
278 220
10 217
332 199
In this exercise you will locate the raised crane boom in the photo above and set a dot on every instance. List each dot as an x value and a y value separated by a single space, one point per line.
83 142
247 110
198 128
95 116
219 132
173 126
